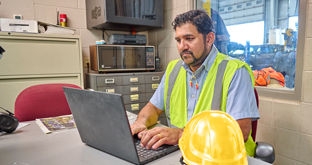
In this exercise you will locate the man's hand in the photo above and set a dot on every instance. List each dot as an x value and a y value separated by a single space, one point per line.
155 137
137 127
147 117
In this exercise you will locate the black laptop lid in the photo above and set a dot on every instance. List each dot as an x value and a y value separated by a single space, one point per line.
102 122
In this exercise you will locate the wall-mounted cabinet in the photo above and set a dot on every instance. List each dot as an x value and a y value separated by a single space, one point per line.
124 15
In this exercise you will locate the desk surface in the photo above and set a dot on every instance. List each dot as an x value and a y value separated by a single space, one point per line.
30 146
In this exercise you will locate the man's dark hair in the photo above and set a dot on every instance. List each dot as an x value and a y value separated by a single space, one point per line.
198 18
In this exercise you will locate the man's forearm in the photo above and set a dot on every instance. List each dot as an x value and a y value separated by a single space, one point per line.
245 125
148 115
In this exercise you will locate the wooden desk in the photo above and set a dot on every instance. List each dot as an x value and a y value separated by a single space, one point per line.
30 146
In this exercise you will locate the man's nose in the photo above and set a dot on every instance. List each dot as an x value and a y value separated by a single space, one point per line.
183 45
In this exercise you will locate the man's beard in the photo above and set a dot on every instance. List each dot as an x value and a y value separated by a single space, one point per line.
196 61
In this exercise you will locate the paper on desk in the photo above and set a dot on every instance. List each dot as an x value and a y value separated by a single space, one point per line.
21 125
48 28
131 117
53 124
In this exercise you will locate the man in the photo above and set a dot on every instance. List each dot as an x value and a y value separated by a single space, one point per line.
222 36
191 89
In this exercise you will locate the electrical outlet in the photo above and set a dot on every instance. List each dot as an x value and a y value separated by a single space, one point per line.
17 16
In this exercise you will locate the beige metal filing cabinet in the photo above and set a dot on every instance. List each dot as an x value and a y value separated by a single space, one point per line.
137 88
36 58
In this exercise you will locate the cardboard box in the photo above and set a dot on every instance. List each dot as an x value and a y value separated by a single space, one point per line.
18 25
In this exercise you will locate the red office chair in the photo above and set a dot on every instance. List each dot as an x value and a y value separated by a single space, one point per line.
264 151
43 100
255 123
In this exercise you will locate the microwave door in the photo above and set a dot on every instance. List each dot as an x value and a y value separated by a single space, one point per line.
112 58
107 58
130 60
133 59
121 55
140 57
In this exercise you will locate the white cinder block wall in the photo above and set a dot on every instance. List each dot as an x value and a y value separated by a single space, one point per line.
285 124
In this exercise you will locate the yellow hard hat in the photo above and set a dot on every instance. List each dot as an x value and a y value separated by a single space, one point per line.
213 137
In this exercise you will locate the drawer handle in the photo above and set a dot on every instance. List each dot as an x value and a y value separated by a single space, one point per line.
134 97
134 89
110 81
155 86
135 107
134 79
112 90
155 78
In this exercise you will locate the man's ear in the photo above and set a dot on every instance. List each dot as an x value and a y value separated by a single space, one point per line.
210 38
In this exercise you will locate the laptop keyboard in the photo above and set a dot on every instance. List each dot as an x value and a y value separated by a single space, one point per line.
149 154
145 153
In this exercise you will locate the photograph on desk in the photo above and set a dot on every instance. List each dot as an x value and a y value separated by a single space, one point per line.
54 124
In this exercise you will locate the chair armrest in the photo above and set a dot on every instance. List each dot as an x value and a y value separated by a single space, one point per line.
265 152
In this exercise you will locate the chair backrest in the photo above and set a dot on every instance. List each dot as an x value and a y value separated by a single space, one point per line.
254 124
42 100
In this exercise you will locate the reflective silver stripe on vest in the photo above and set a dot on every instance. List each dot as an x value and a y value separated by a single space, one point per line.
216 100
217 94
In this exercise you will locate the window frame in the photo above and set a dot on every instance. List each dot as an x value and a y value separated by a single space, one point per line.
285 93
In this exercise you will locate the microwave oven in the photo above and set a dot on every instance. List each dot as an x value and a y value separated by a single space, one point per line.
122 58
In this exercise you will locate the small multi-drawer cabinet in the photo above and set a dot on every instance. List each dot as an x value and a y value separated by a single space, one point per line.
136 88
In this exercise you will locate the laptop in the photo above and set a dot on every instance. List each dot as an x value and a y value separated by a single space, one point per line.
102 123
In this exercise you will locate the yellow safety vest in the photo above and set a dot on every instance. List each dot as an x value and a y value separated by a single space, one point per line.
176 85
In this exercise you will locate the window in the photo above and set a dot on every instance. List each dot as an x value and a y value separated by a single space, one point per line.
263 33
254 34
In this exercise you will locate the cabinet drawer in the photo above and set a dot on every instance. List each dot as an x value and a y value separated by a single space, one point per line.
131 89
136 88
133 79
134 98
105 80
153 78
151 87
108 81
39 55
135 107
